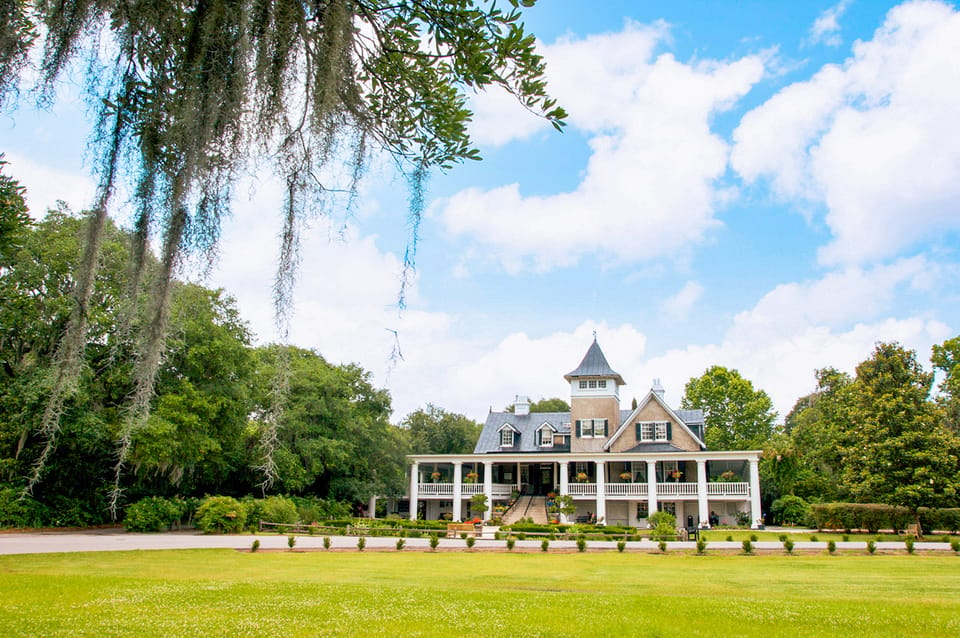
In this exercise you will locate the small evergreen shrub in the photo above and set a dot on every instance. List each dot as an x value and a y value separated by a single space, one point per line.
581 544
701 546
434 541
255 546
544 545
511 541
621 545
729 538
813 538
471 541
747 546
909 544
463 536
788 545
754 538
955 546
361 543
326 542
221 515
400 544
831 546
291 541
497 536
846 538
782 537
871 547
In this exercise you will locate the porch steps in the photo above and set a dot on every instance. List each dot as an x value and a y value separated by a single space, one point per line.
534 507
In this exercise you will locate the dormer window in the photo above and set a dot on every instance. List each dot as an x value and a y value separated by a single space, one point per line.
506 437
545 436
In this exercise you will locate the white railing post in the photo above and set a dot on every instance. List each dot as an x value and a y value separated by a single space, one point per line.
564 484
703 507
414 484
457 491
756 516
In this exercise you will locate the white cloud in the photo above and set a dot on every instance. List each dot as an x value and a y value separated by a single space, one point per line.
648 189
680 304
47 185
826 28
876 140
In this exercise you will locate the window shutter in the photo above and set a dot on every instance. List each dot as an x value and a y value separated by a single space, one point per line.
604 427
578 428
637 426
669 431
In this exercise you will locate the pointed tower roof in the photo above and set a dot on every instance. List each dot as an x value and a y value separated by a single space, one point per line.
594 364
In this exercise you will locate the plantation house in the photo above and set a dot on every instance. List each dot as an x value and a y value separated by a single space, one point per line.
617 465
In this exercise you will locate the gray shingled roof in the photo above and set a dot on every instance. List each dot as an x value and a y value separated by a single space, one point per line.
690 416
594 364
527 426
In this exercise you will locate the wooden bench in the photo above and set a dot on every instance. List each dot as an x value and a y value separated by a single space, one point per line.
455 529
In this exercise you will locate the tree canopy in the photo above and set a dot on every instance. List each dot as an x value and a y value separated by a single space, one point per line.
736 416
433 430
188 94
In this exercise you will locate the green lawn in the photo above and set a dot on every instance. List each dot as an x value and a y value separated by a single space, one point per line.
226 593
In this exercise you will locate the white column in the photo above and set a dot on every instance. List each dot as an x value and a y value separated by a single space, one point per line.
372 507
702 493
519 485
651 487
488 488
414 489
601 492
756 516
457 491
564 483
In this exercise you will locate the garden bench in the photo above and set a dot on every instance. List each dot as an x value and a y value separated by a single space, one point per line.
455 529
913 530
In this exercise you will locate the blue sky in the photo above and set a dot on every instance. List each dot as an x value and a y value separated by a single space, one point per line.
766 186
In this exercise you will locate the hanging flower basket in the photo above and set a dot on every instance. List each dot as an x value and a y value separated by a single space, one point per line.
581 477
471 477
435 477
676 475
625 476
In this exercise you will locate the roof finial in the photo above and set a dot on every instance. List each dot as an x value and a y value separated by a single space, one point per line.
594 335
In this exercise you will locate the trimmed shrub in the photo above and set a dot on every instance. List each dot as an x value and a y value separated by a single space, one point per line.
754 538
621 545
790 510
511 541
361 543
831 546
871 547
544 545
255 546
326 542
471 541
788 545
782 537
221 515
277 509
870 516
152 514
845 537
291 541
581 544
747 547
729 538
955 546
434 541
909 544
701 545
813 538
400 544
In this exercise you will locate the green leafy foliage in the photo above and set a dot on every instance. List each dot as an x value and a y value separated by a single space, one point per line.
153 514
221 515
736 416
433 430
790 510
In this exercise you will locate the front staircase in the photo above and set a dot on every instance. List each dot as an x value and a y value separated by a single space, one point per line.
532 507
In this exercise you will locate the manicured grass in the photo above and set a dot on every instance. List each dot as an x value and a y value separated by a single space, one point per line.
762 535
227 593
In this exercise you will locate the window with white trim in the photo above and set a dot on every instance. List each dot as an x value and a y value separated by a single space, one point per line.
649 431
583 384
593 428
546 437
506 437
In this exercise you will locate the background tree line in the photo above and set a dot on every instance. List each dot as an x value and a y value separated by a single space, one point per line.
211 400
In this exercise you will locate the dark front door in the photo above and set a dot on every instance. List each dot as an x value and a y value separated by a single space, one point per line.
544 473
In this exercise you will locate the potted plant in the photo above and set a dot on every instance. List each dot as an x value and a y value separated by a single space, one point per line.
471 477
435 476
581 477
625 476
676 475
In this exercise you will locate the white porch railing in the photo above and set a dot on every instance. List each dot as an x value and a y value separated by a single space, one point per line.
582 489
625 489
676 489
500 490
728 489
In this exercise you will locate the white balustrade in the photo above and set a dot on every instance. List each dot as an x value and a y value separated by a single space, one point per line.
503 489
469 489
582 489
436 489
728 489
676 489
626 489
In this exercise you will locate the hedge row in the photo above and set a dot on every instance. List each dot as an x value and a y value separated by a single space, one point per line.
875 516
